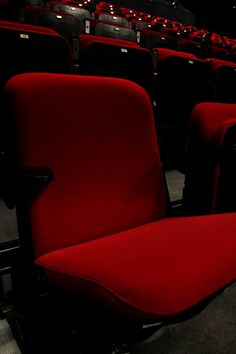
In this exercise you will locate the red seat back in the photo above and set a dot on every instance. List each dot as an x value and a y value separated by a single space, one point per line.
99 141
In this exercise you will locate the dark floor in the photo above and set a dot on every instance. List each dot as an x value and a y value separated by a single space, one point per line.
175 182
213 331
8 228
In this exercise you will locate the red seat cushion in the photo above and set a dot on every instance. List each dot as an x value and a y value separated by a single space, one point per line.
153 271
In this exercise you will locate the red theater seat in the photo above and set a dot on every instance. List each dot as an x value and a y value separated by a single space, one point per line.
27 48
108 29
100 229
218 53
181 82
211 173
195 48
76 11
115 19
104 56
85 39
150 39
62 22
223 76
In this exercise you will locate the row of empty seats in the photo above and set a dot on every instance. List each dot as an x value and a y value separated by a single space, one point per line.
175 81
71 18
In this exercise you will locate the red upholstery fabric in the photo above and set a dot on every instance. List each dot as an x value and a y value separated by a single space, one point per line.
223 79
206 122
154 271
216 63
25 27
164 53
32 8
208 125
97 135
96 228
217 52
85 39
189 46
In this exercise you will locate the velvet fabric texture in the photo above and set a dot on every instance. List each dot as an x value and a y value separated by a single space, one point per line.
101 228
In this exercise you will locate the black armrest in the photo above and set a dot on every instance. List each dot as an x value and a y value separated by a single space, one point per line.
27 185
37 175
176 208
33 182
9 253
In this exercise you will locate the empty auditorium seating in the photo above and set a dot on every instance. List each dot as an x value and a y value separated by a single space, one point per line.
116 58
93 190
64 23
195 48
113 19
89 5
212 44
26 48
211 174
112 9
137 25
152 39
219 53
76 11
181 82
82 15
108 29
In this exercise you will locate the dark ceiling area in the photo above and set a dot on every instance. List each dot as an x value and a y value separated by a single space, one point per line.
217 16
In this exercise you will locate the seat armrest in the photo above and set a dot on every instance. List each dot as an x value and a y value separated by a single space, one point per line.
32 183
27 185
176 208
9 253
36 175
